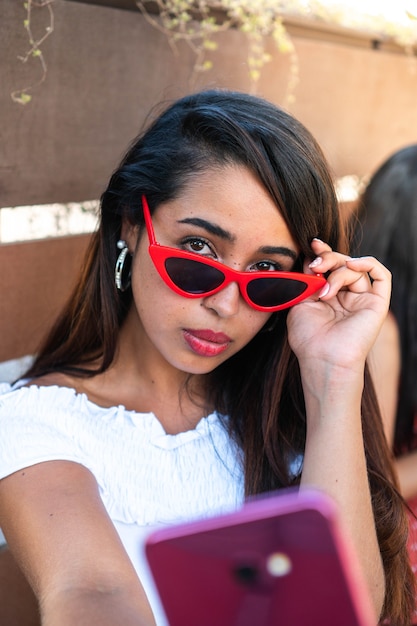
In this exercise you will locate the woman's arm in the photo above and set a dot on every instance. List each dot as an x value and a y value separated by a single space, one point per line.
385 366
59 532
406 466
335 462
332 338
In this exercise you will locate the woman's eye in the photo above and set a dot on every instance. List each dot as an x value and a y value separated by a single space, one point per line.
266 266
199 246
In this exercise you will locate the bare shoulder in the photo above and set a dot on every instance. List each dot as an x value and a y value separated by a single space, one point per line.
55 378
96 387
58 379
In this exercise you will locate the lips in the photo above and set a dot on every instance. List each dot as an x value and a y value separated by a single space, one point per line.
206 342
209 335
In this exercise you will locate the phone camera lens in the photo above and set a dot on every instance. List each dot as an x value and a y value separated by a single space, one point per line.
246 574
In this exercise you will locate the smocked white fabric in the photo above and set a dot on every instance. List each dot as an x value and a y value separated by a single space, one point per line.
146 477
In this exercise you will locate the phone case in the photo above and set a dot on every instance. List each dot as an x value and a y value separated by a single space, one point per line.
279 560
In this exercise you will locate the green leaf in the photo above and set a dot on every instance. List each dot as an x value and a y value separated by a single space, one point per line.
24 98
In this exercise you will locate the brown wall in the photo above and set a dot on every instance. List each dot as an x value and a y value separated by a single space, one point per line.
35 280
107 67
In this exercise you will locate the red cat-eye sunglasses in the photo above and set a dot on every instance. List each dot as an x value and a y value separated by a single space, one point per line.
194 276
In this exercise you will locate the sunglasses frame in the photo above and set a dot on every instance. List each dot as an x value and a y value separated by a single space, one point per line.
160 253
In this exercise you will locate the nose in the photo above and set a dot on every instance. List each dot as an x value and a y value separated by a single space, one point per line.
225 302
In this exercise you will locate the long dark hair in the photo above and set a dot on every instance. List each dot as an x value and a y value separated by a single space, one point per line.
259 388
387 229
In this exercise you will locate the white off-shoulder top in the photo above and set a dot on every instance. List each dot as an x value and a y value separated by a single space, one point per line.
146 477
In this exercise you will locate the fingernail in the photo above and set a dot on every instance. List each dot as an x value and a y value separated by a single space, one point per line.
324 291
316 262
317 239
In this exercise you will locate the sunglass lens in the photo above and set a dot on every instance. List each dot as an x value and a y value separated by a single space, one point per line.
193 276
269 292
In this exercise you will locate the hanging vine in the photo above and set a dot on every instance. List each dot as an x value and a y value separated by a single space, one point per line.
197 22
23 96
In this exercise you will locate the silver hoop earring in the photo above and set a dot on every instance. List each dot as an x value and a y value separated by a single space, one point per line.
122 272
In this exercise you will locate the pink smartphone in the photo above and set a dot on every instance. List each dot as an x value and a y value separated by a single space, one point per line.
280 560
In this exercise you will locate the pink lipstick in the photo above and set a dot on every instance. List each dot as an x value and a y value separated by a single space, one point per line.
206 342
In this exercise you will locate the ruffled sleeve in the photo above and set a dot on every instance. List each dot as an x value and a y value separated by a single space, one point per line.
35 428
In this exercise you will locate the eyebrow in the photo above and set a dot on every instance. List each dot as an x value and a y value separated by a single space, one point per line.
281 250
214 229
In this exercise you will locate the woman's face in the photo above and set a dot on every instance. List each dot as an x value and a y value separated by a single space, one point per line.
223 214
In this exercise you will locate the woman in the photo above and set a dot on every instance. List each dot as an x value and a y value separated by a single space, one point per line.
202 357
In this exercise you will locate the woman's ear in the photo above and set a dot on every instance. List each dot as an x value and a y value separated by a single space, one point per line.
129 233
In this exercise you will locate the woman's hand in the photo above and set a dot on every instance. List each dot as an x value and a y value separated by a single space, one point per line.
341 324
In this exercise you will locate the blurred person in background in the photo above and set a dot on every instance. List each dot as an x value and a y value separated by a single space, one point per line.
385 226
